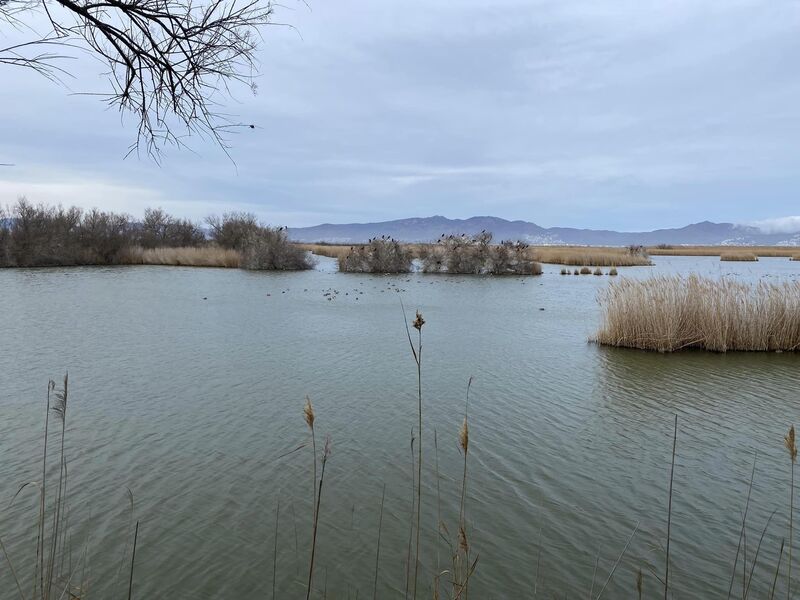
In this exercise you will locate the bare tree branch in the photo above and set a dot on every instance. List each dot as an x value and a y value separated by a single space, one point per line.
170 62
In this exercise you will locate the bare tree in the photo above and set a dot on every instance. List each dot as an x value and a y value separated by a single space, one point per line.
170 62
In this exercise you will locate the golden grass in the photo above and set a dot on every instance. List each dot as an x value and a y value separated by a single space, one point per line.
206 256
672 313
329 250
779 251
593 256
739 256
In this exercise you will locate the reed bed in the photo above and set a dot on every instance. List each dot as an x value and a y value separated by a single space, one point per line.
203 256
763 251
739 256
591 256
673 313
329 250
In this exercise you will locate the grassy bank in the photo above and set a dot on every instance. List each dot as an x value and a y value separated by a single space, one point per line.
674 313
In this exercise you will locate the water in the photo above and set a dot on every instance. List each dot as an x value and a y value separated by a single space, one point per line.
187 386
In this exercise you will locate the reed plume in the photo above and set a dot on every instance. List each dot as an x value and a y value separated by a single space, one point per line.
308 415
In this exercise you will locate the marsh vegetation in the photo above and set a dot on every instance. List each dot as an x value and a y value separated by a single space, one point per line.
45 236
670 313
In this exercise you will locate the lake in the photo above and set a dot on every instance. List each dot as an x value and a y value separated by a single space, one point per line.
187 386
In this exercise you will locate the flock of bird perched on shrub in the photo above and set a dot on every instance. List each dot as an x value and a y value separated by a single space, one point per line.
454 254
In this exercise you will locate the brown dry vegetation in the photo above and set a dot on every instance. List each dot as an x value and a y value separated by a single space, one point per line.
591 256
476 255
207 256
380 255
673 313
668 250
742 256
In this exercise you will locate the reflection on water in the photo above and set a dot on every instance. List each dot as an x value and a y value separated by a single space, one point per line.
188 385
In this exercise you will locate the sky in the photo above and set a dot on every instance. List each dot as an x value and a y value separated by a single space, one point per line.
624 114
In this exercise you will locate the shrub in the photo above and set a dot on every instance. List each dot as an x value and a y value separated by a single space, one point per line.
269 249
234 229
576 272
673 313
379 255
565 271
160 230
613 271
586 271
598 271
476 255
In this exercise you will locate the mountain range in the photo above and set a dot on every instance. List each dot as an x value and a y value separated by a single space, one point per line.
427 229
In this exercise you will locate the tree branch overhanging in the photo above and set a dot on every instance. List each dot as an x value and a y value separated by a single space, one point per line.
170 62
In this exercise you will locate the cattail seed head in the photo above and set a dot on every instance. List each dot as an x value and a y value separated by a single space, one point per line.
790 443
463 436
308 413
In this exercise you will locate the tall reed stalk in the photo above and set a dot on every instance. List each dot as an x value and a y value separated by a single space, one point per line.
378 546
325 455
669 508
791 446
417 354
463 441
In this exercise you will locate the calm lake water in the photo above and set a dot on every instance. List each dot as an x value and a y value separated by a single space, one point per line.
187 386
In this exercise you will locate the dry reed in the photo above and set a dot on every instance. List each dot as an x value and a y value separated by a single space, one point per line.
791 445
590 256
739 256
764 251
202 256
672 313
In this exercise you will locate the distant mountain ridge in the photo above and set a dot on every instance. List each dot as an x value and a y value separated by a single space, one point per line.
427 229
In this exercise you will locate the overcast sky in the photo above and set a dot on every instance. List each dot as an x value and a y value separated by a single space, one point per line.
624 114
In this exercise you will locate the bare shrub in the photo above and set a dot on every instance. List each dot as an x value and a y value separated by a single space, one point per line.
585 271
233 229
672 313
512 258
380 255
269 249
476 255
159 230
